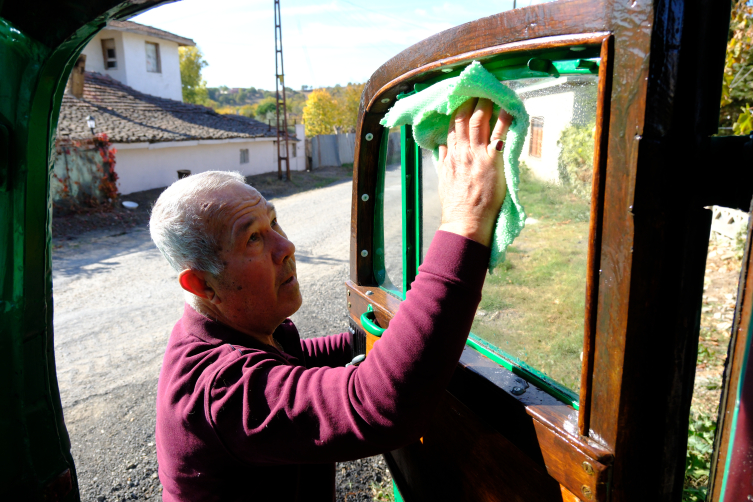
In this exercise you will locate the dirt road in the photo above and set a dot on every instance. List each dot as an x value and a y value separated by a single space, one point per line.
116 300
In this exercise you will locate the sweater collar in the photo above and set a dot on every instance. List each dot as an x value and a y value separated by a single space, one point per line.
216 333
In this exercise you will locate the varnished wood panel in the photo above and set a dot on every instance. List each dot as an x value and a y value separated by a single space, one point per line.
601 143
654 240
651 255
565 17
462 459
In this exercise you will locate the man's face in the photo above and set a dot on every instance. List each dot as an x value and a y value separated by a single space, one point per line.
258 287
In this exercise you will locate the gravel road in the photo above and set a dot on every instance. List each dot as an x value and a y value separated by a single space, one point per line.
116 300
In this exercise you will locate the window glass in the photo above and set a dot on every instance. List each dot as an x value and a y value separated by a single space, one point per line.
108 54
533 306
388 262
152 58
431 210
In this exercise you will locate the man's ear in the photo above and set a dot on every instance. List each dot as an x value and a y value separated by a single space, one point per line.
195 283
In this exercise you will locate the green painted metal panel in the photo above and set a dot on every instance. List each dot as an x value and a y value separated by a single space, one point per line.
396 493
34 444
523 370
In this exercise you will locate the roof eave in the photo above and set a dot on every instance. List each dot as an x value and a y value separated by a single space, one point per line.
164 35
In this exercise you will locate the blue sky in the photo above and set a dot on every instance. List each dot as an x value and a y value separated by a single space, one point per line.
325 42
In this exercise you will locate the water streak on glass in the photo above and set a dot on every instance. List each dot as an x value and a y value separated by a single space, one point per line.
533 306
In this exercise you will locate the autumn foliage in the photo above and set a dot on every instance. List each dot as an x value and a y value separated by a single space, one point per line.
737 86
330 112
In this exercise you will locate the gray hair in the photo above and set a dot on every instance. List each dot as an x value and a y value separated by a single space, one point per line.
180 220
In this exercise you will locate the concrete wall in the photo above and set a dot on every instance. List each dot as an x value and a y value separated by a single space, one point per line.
130 50
145 166
77 172
333 149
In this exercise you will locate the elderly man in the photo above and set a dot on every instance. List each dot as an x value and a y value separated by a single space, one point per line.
248 411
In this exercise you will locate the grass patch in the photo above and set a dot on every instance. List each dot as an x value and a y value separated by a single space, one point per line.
533 306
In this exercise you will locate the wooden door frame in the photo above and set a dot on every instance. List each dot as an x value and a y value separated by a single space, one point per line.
649 268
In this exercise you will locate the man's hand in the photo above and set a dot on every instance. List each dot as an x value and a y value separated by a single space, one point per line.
471 171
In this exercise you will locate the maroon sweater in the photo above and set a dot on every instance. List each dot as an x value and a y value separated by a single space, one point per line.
240 420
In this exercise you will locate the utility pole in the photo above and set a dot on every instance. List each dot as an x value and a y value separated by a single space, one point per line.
282 122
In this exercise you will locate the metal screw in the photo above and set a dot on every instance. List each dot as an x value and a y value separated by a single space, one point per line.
365 197
588 468
518 391
369 136
386 100
348 304
586 491
348 292
364 253
369 293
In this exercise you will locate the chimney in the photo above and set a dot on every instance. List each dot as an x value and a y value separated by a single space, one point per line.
76 80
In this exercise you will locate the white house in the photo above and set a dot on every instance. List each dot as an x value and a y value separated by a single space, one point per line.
553 105
141 57
134 95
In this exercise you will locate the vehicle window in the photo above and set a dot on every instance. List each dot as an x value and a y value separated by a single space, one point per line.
388 228
533 306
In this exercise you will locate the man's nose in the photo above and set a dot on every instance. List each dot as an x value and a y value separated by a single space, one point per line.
284 248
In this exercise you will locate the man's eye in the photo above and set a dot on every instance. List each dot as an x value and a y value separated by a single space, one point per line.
274 222
254 237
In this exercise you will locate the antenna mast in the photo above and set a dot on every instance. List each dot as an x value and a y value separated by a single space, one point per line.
282 122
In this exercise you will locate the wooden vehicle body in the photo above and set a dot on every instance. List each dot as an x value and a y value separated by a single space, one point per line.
624 436
659 83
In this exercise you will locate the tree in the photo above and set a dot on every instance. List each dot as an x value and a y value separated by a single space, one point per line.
266 109
737 86
194 87
348 101
320 113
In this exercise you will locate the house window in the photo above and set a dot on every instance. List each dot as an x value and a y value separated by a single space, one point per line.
152 58
108 54
295 150
537 132
244 155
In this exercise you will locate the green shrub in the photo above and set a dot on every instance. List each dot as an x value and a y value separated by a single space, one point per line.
701 431
575 163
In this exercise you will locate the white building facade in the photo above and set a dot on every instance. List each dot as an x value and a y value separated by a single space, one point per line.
132 89
136 161
138 56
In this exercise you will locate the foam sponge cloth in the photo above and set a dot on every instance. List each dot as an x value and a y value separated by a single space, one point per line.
429 112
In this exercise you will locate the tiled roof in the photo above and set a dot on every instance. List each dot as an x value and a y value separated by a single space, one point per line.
143 29
129 116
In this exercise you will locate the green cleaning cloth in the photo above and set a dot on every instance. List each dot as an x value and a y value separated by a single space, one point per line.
429 113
